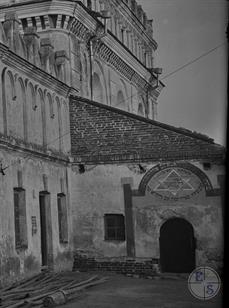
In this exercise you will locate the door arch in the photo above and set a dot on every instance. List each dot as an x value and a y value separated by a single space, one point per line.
177 246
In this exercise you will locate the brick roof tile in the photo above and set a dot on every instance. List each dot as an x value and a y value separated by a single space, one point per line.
104 134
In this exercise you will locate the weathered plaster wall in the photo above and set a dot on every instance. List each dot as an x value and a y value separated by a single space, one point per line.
99 191
203 212
28 260
206 220
32 113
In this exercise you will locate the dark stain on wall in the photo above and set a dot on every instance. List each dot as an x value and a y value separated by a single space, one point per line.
31 264
9 270
10 265
9 262
146 221
64 256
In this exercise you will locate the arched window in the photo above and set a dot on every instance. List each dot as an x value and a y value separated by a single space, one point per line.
85 76
120 103
97 89
80 70
141 110
85 66
51 109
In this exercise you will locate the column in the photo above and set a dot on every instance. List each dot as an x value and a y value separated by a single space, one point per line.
129 223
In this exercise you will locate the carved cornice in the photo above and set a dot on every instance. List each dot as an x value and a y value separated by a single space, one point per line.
33 72
71 17
107 55
77 28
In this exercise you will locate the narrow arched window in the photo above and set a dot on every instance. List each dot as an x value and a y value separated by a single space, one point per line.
141 110
97 88
51 108
120 103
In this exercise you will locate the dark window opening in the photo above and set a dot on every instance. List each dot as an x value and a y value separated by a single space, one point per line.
122 36
62 218
20 223
114 227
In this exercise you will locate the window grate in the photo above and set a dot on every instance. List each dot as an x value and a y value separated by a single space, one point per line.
114 227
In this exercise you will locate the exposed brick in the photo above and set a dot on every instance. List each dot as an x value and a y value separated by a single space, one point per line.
130 266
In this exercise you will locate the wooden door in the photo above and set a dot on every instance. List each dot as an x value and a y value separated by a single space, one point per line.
177 246
46 229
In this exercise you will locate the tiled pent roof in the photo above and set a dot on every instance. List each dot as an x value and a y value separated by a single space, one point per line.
103 134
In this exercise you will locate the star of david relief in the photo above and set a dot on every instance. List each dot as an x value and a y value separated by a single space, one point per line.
173 183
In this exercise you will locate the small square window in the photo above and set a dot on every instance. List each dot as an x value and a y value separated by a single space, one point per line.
114 227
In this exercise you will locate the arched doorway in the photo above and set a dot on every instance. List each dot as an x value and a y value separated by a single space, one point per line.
177 246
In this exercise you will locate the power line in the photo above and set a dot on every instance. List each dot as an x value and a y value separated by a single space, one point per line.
128 98
180 68
193 61
52 141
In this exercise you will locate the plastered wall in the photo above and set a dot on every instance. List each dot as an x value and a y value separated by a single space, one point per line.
25 261
99 191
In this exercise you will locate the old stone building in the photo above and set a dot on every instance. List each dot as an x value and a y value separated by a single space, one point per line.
84 164
149 189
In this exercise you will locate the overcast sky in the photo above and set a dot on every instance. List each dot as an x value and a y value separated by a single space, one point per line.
194 97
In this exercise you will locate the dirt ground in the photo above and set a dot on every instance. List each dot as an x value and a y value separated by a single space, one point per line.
124 292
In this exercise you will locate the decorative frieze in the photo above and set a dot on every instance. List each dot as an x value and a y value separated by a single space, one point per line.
82 32
106 54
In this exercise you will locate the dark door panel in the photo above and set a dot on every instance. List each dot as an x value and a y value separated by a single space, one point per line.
177 246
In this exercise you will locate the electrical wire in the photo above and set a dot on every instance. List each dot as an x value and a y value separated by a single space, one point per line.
180 68
52 141
193 61
128 98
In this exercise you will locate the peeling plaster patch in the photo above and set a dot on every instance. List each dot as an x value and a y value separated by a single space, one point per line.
214 254
214 214
63 260
31 264
9 264
211 257
195 215
168 213
204 243
146 221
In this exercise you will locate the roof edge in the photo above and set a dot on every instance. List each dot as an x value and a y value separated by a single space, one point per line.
182 131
